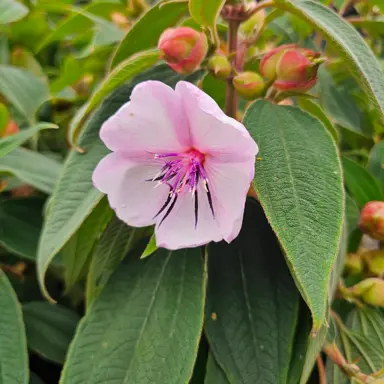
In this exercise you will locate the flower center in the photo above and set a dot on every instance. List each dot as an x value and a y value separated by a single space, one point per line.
182 172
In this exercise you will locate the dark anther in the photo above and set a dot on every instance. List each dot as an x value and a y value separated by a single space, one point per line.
210 199
169 209
196 208
164 206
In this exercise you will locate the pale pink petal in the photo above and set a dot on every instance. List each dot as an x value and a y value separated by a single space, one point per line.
152 122
178 229
134 199
213 132
229 184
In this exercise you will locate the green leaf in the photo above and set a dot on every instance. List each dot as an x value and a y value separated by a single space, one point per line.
9 143
215 88
150 312
150 248
117 240
50 328
352 213
34 379
146 31
250 293
348 42
4 118
20 225
299 185
373 26
81 20
76 253
123 72
13 345
360 183
214 375
24 90
32 168
206 13
376 162
338 102
12 10
316 111
75 197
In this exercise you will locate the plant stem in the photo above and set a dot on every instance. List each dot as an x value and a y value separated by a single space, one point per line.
231 97
321 370
260 6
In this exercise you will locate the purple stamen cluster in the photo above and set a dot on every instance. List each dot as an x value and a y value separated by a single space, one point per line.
182 171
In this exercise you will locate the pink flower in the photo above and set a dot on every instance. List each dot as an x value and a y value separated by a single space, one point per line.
178 162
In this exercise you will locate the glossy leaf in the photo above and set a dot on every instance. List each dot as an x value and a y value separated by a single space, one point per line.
122 73
9 143
13 346
251 292
76 253
75 197
214 375
206 13
348 42
117 240
376 162
150 248
150 311
50 329
146 31
20 225
360 183
24 90
12 10
32 168
298 182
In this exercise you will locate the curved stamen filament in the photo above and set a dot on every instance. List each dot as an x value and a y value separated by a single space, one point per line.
182 170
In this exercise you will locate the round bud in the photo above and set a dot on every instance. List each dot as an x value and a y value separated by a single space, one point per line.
372 219
220 66
249 85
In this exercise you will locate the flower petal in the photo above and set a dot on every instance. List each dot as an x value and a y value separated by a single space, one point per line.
178 229
229 184
211 130
152 122
134 199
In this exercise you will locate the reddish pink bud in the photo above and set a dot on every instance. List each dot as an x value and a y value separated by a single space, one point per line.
296 70
372 219
269 62
183 48
249 84
11 129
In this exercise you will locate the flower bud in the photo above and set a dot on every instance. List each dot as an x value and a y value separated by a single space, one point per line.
353 264
296 70
269 62
375 262
249 85
372 219
220 65
183 48
375 294
11 129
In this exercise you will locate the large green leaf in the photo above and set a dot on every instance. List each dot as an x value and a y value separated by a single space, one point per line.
76 253
75 197
146 31
50 329
9 143
11 10
13 345
360 183
145 326
205 13
348 42
20 225
117 240
376 162
252 304
33 168
123 72
24 90
214 375
298 181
